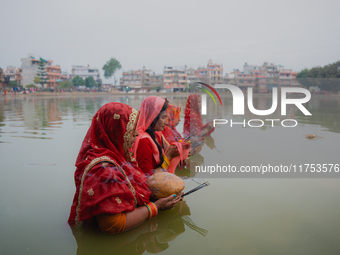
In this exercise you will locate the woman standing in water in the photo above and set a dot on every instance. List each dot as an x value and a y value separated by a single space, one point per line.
193 123
170 132
110 188
152 151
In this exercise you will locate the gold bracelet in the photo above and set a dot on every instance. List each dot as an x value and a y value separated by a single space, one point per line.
166 159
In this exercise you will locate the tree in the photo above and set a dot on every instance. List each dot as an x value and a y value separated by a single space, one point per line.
78 81
30 86
90 82
42 74
66 84
37 80
325 78
110 68
13 84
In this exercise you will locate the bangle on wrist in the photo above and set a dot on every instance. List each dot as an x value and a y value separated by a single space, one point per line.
153 210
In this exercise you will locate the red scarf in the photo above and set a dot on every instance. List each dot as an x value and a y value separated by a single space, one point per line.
108 188
170 132
193 123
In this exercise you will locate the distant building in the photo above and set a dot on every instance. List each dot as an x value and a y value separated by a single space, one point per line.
53 74
214 73
14 74
285 77
145 75
243 81
131 80
175 78
107 87
64 76
85 72
201 73
248 69
193 76
156 81
29 68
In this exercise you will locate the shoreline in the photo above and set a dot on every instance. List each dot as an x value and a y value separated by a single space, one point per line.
100 94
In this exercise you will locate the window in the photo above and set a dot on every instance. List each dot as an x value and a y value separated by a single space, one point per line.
168 78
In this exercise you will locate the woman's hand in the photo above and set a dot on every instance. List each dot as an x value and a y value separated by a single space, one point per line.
167 202
172 152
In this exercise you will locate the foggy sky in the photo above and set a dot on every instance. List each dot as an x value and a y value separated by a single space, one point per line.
297 34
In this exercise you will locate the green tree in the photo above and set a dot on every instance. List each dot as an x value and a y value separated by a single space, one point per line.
37 80
30 86
13 84
42 74
110 68
326 78
66 84
78 81
90 82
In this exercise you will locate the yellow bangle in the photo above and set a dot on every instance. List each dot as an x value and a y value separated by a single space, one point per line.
166 159
165 166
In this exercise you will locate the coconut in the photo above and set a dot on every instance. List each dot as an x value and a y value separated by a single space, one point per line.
164 184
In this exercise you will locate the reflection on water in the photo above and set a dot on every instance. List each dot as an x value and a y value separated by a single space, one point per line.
153 236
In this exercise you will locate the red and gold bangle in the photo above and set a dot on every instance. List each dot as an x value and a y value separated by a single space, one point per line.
153 211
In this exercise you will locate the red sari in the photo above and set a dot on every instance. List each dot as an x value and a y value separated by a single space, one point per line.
193 124
170 132
145 149
108 180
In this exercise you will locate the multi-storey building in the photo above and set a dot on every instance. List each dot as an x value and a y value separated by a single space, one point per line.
64 76
53 74
29 68
214 73
295 82
201 73
85 72
156 81
175 78
13 74
261 84
248 69
192 76
145 75
131 80
243 81
285 77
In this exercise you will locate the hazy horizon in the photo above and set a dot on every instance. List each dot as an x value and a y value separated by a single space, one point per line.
154 34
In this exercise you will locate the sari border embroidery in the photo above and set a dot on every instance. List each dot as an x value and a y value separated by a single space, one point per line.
130 129
88 168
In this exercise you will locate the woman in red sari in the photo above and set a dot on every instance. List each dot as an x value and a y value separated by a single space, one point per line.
170 132
193 124
110 188
152 151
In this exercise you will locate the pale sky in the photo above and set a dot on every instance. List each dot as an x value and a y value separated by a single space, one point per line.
155 33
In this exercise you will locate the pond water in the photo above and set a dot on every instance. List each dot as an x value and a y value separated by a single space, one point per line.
40 139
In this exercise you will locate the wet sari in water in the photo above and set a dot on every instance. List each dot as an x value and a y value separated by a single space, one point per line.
107 178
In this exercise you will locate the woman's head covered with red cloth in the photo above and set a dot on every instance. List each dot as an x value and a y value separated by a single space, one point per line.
193 123
150 111
170 132
102 187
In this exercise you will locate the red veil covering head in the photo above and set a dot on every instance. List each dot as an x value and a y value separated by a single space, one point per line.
149 110
108 180
193 123
170 132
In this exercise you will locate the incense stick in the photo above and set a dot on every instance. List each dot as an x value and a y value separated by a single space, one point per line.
197 188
